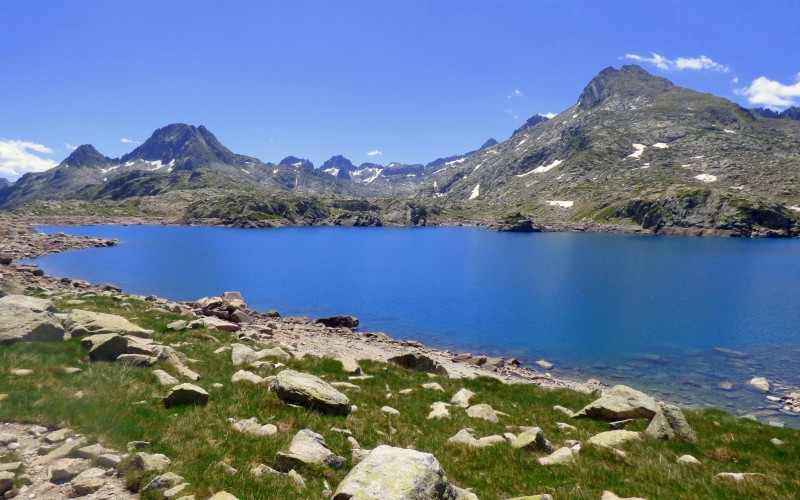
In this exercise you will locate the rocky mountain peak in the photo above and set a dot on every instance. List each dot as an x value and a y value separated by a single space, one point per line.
293 161
188 146
532 122
86 156
338 162
489 143
628 82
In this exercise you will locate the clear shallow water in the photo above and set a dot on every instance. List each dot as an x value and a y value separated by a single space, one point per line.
642 310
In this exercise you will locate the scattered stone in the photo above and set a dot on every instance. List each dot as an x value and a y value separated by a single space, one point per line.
137 445
345 385
60 452
621 402
419 362
242 355
261 469
226 468
563 455
6 481
93 451
297 478
222 349
566 427
776 441
621 424
614 438
10 467
688 460
388 472
186 394
466 437
390 411
69 370
310 391
147 462
56 436
67 468
339 322
352 442
405 391
251 426
165 378
176 490
565 411
608 495
246 376
484 412
222 495
135 360
760 384
544 364
109 460
433 386
178 325
532 439
88 481
6 439
668 423
307 447
350 366
439 409
105 346
22 324
275 352
738 476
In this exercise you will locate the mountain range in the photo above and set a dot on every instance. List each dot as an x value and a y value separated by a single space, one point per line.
635 150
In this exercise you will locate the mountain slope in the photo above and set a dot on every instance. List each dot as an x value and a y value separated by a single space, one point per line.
633 140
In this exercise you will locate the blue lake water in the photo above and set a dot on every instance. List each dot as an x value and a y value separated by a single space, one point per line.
642 310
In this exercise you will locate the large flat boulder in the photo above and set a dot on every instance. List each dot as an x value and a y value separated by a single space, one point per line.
21 324
32 303
310 391
419 362
105 347
80 323
186 394
307 447
399 474
620 403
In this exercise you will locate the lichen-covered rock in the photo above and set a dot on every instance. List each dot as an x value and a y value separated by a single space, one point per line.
350 366
186 394
532 439
33 304
251 426
67 468
88 481
310 391
419 362
619 403
105 347
242 355
559 457
147 462
614 438
22 324
399 474
80 323
669 422
483 411
462 397
307 447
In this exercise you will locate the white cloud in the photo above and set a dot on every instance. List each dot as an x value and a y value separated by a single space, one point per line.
70 146
20 157
516 93
375 153
125 140
700 63
771 93
735 79
547 115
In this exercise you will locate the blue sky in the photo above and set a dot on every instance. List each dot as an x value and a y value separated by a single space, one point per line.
413 80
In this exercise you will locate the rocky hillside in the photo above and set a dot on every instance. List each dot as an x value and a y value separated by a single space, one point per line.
636 147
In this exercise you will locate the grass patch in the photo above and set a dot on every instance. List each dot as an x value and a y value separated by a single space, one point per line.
122 404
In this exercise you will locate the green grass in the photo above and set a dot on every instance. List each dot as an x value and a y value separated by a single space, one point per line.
197 438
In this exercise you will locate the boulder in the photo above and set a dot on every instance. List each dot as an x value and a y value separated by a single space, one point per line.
350 366
178 325
433 386
614 438
6 481
275 352
105 346
390 411
688 460
397 473
310 391
462 397
246 376
339 321
760 384
21 324
80 323
88 481
135 360
222 495
67 468
619 403
251 426
186 394
439 409
532 439
483 411
147 462
165 378
419 362
466 437
220 324
668 423
33 304
93 451
164 481
234 299
307 447
242 355
560 456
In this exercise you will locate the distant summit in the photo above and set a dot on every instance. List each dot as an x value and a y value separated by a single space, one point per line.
86 156
792 113
532 122
293 161
182 146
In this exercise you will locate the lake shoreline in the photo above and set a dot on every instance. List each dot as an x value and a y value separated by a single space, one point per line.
301 334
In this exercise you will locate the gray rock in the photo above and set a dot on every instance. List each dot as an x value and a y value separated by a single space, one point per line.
483 411
7 438
307 447
419 362
109 460
251 426
246 376
186 394
136 360
760 384
178 325
165 378
439 409
67 468
242 355
310 391
619 403
532 439
27 302
560 456
462 397
88 481
350 366
147 462
669 422
466 437
275 352
80 323
688 460
396 473
20 324
340 321
6 481
105 347
614 438
93 451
